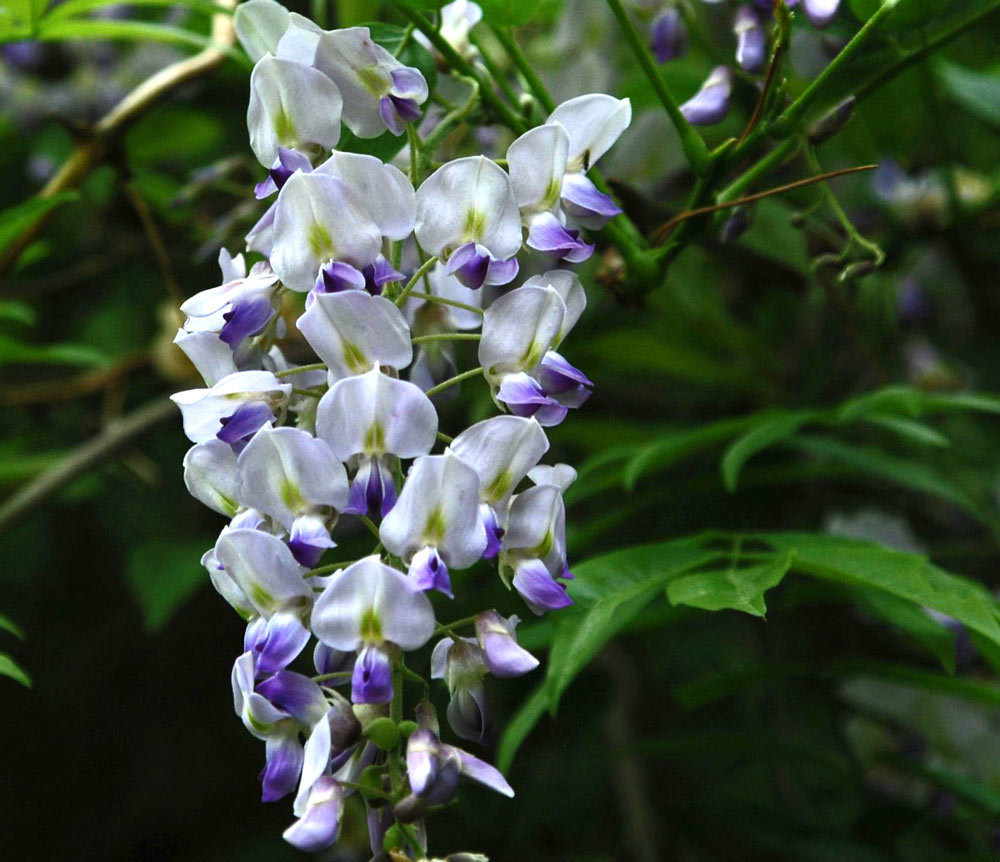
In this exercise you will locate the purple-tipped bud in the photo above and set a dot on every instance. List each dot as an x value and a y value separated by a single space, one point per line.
294 693
585 203
429 572
372 679
735 226
538 588
246 319
711 103
669 35
334 277
396 113
831 122
498 641
309 539
372 490
751 39
570 386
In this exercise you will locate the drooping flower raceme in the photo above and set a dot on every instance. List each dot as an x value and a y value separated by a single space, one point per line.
325 359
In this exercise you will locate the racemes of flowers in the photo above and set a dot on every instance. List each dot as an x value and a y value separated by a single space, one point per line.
385 270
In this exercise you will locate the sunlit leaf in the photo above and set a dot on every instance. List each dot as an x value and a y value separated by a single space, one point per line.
738 589
767 431
10 668
9 625
14 352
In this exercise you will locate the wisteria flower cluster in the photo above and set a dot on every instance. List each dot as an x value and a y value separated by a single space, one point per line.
383 272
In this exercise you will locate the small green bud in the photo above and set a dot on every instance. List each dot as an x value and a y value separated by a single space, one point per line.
384 733
406 728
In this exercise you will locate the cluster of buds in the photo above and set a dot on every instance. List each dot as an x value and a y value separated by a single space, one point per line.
292 453
751 23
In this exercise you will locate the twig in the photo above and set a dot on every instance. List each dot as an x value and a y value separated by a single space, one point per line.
112 125
91 453
525 68
156 242
451 381
758 110
664 230
47 391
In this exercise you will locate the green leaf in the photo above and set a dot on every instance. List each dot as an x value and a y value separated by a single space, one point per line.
768 430
976 91
511 11
609 591
162 576
9 625
18 311
675 445
899 400
71 8
911 430
738 589
956 783
907 576
8 667
14 352
908 14
18 219
520 726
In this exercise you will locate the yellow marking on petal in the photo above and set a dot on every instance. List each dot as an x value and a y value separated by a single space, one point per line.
434 528
498 486
354 358
284 128
552 193
475 224
374 80
320 241
374 442
291 496
371 628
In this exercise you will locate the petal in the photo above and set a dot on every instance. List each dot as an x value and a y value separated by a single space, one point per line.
501 652
547 234
367 600
482 772
308 538
569 287
316 759
711 103
259 25
470 264
320 218
439 658
585 204
517 330
210 476
468 200
537 164
524 396
751 39
669 35
295 694
421 759
373 414
501 450
211 356
429 572
282 767
537 522
299 41
467 713
594 122
539 589
385 190
291 105
560 475
240 425
372 680
820 12
264 569
203 409
276 642
226 587
438 507
328 660
319 826
334 277
353 331
261 235
285 472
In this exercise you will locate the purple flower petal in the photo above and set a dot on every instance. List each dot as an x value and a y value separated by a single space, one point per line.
408 83
287 163
282 767
494 532
296 694
751 39
429 572
335 277
585 204
470 264
380 273
820 12
372 680
525 397
328 660
319 826
539 589
246 319
497 639
372 490
276 642
711 103
308 540
241 425
476 769
669 35
546 234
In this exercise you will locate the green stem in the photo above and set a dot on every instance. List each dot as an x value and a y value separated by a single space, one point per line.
445 438
527 71
309 393
758 169
370 524
886 75
499 78
691 142
785 125
414 140
447 336
451 381
453 117
448 628
288 372
454 303
507 116
340 674
425 267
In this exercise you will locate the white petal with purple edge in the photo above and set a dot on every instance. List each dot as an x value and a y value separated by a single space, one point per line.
537 164
264 569
594 122
385 190
518 328
210 476
501 450
568 285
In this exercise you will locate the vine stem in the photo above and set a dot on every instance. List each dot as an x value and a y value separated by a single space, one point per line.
691 142
525 68
301 369
664 230
454 303
451 381
784 125
446 336
425 267
89 154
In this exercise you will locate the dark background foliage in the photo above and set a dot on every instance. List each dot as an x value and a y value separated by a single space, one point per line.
693 735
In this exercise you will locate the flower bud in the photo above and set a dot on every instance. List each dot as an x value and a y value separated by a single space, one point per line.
831 122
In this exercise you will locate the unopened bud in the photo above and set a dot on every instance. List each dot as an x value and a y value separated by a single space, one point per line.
736 225
831 122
